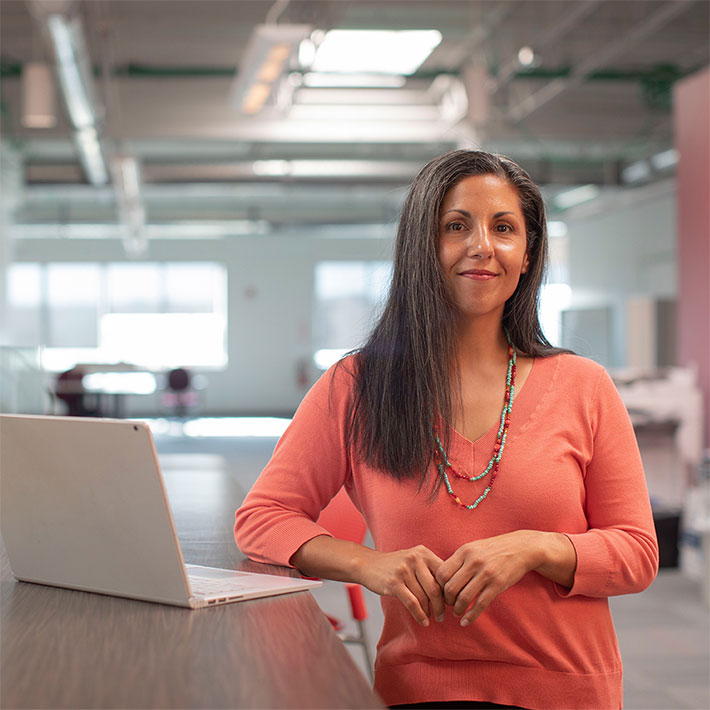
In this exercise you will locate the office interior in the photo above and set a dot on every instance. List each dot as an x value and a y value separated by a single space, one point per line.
199 200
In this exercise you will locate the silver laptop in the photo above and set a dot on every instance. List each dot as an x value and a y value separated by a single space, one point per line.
83 505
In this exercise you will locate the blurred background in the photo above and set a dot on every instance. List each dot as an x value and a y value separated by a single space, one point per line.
199 199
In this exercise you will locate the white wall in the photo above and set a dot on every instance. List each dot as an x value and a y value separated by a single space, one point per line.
622 247
270 281
10 193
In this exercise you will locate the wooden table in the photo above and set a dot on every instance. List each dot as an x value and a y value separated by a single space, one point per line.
67 649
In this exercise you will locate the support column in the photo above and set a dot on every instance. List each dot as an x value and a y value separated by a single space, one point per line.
691 100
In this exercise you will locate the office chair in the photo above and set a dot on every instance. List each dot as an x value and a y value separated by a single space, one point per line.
180 396
342 519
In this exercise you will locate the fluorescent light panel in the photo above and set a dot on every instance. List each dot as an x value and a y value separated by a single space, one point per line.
74 72
323 80
664 160
556 229
576 196
640 171
265 60
336 168
90 155
377 51
65 37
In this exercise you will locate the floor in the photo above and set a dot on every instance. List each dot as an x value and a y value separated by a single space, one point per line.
664 633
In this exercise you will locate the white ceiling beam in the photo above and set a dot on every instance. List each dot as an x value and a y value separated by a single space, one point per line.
353 114
359 97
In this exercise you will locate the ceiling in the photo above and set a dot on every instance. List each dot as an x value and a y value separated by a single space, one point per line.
596 99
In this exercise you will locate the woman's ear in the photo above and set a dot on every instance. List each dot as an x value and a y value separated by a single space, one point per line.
526 264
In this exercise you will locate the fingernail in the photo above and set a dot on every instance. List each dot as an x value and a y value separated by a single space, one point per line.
441 617
465 622
425 622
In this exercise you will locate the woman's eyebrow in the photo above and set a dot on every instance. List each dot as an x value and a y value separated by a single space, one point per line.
468 214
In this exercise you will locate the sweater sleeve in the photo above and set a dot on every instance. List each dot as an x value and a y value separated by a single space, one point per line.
619 552
309 466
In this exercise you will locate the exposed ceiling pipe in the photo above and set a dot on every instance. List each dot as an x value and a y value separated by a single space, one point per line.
576 14
126 173
482 33
552 89
275 12
60 22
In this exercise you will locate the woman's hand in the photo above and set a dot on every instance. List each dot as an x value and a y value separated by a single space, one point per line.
410 576
479 571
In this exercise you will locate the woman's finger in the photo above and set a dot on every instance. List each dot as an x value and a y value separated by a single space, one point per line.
479 606
412 604
469 591
431 588
455 583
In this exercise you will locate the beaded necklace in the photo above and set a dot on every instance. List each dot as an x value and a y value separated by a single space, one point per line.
494 463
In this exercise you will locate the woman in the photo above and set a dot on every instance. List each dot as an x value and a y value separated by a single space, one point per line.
499 477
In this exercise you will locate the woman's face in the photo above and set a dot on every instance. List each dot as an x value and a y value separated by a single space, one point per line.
482 245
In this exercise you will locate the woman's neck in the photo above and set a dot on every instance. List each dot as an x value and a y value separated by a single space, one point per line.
481 343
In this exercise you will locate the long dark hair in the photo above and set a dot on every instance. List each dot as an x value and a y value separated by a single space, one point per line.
402 372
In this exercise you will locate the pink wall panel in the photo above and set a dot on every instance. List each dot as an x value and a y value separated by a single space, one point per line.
691 98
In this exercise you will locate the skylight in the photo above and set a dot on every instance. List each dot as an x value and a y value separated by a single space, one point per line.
379 51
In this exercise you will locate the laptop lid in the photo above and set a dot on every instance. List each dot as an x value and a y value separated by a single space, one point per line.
82 505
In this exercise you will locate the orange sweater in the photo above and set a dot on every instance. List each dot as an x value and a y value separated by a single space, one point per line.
571 465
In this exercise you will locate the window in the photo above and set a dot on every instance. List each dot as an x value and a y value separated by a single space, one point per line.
72 302
347 297
153 315
24 292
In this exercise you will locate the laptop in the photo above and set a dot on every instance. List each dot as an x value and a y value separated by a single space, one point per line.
83 506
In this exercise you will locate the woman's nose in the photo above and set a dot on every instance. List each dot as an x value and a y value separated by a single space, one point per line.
480 243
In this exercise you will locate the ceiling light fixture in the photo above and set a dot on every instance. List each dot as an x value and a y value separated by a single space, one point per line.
267 57
556 229
90 155
125 172
271 168
70 52
332 80
75 79
526 57
378 51
576 196
665 160
640 171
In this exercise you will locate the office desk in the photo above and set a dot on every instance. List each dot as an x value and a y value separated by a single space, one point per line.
113 384
66 649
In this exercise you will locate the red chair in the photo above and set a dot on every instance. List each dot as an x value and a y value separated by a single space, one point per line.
343 520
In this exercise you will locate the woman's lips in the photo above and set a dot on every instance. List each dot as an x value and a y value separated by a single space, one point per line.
478 274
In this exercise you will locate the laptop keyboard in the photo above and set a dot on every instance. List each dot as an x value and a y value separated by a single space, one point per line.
200 585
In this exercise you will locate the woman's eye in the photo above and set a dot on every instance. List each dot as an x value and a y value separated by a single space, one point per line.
455 226
504 228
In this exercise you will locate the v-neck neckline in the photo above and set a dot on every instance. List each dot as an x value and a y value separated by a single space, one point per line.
525 402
